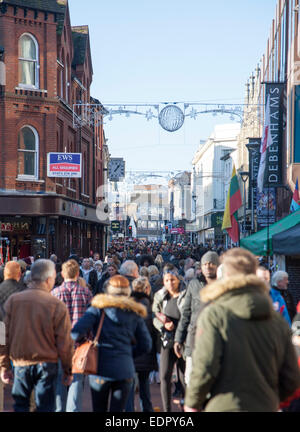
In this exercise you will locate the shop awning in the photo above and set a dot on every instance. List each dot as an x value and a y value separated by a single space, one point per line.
257 243
287 242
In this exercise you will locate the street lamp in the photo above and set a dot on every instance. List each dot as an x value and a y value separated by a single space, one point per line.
244 176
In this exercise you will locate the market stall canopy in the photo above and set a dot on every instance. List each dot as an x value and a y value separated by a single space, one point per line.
257 243
287 242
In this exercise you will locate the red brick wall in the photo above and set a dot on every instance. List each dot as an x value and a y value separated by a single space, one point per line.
51 118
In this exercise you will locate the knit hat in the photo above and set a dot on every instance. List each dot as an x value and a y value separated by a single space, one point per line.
118 285
211 257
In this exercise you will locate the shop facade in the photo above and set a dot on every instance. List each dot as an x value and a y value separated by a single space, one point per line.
39 226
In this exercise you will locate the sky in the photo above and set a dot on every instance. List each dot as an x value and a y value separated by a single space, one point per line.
166 51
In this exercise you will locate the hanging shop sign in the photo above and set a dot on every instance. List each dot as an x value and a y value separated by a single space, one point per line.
115 225
21 227
275 91
67 165
217 220
254 158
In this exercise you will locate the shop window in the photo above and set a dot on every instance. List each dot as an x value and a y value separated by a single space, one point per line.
28 61
39 247
28 153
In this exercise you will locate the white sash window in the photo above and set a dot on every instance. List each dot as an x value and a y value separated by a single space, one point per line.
28 62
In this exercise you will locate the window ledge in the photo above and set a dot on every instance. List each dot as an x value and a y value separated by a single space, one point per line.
84 195
70 189
29 179
29 88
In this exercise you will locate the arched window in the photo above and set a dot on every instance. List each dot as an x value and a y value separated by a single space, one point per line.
28 61
28 153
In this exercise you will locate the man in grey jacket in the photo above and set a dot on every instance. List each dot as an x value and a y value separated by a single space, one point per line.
186 329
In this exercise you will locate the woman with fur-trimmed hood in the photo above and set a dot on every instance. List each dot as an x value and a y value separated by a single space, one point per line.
124 335
243 358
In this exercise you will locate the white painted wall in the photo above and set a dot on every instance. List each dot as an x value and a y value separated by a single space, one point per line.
212 175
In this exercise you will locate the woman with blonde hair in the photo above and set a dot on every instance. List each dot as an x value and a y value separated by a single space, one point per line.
159 261
152 270
144 272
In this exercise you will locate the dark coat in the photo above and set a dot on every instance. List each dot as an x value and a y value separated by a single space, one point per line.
100 284
130 279
156 282
124 334
92 281
146 362
192 307
7 288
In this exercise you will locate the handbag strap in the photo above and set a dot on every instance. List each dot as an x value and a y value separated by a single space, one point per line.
99 327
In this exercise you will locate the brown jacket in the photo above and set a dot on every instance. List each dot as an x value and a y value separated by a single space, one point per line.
38 330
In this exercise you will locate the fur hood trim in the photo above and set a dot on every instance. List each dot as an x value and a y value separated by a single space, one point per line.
102 301
221 286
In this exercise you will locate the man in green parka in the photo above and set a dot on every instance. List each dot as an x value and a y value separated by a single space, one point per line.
243 358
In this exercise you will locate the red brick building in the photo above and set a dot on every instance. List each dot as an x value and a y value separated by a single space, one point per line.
45 68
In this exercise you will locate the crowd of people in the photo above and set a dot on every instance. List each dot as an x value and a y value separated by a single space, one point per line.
218 329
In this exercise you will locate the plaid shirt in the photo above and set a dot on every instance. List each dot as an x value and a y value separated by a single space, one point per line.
76 298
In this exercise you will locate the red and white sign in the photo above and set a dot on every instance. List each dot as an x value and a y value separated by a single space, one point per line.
179 230
67 165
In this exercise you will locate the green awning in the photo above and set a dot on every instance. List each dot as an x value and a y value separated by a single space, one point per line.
257 243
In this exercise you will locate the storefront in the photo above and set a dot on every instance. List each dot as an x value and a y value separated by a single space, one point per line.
39 226
211 229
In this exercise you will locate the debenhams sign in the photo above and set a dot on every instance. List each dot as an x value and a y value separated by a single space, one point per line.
274 158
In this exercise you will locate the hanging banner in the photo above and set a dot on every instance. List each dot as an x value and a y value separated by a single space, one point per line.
254 158
265 207
275 92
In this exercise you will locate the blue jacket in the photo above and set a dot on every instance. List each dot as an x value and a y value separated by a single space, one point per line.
279 303
124 334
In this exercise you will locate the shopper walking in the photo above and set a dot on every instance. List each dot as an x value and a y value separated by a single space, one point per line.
77 298
243 359
38 330
124 335
186 329
11 283
280 281
167 308
147 362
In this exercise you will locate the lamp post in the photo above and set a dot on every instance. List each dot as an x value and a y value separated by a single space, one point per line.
244 176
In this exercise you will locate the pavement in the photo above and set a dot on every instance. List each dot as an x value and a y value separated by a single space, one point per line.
87 403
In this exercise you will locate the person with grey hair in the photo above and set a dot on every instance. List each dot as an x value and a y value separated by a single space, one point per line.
38 331
279 282
188 263
130 270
